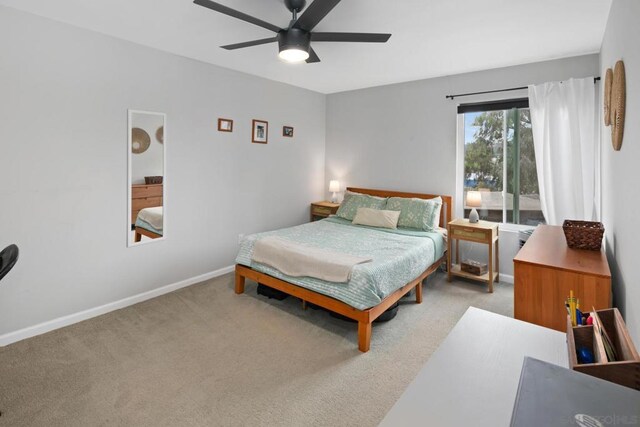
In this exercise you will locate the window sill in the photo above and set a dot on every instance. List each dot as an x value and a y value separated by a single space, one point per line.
514 228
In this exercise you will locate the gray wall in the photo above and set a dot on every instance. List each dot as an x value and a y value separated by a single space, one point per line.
620 192
403 136
63 165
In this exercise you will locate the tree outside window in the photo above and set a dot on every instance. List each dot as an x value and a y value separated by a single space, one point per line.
485 155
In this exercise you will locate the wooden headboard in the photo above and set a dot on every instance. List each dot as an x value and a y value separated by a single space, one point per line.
447 201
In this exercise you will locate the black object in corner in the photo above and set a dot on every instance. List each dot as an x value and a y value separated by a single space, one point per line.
389 314
271 293
8 258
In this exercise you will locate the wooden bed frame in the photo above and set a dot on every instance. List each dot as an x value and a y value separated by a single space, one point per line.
363 317
144 232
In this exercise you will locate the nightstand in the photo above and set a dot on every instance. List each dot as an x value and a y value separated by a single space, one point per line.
483 232
320 210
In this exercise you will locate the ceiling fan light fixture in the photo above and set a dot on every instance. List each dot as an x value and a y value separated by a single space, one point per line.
294 55
294 45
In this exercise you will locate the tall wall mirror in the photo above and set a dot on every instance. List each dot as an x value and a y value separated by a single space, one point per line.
146 183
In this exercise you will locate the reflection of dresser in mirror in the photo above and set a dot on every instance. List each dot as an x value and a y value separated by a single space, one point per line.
144 196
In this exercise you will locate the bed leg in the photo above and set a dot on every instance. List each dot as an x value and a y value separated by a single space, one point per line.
419 292
364 336
137 237
239 283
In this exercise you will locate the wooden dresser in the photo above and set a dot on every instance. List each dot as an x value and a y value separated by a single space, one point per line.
144 196
546 269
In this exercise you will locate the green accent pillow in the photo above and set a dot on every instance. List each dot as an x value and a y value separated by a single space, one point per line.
352 201
421 214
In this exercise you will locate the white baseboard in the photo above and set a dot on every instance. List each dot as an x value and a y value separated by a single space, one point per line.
70 319
506 278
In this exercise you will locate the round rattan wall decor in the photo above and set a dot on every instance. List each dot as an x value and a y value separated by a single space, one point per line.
140 140
160 134
608 82
618 105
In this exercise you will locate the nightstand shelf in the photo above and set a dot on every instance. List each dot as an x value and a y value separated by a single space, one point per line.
321 210
457 271
483 232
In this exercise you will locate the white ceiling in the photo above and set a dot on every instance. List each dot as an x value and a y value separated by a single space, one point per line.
430 38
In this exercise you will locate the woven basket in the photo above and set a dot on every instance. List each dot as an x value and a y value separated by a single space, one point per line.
583 234
153 180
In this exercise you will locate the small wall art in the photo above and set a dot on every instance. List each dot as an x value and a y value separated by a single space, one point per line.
287 131
608 83
260 131
160 134
225 125
140 140
618 105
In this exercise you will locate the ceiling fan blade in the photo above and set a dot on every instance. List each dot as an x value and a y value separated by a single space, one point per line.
249 44
313 56
314 14
350 37
234 13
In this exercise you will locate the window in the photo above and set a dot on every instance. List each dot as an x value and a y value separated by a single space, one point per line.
499 161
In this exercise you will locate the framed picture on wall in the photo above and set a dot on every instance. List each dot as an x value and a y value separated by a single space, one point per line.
225 125
287 131
260 132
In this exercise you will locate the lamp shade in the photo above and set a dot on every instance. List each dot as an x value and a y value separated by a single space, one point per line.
474 199
294 45
334 186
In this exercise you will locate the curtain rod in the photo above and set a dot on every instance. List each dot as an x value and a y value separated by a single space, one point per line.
595 79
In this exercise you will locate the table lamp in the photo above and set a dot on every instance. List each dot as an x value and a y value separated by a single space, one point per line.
474 200
334 187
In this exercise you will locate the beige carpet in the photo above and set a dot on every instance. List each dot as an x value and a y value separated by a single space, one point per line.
203 356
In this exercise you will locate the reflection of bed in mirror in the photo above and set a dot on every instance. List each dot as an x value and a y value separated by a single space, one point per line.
146 199
149 223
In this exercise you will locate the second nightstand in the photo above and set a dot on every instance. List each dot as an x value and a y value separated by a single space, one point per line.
484 232
320 210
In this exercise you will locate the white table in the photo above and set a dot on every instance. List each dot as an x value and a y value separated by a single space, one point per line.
472 378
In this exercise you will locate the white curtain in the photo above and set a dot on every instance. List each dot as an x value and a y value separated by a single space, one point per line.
563 119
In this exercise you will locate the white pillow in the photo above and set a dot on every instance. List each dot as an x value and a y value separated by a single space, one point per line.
376 218
436 216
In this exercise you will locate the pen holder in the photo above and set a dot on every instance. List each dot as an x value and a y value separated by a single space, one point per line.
624 371
582 337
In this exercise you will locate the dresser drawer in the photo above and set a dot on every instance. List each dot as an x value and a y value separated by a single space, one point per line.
471 233
141 191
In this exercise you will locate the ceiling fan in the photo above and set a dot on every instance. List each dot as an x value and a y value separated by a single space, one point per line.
294 41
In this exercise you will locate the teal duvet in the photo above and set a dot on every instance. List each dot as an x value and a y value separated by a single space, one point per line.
144 224
399 256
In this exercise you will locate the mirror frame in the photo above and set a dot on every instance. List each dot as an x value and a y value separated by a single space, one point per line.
130 113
